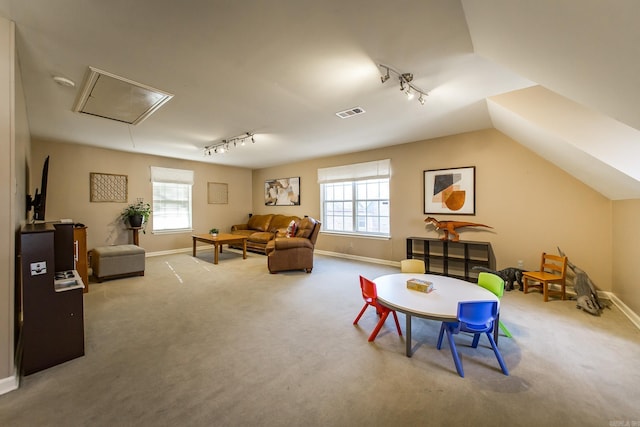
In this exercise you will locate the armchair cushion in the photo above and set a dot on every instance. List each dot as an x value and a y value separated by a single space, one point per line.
306 227
292 242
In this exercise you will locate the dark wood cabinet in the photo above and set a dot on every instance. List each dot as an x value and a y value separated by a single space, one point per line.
52 325
455 259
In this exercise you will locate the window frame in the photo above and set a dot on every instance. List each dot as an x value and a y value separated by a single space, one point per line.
156 210
355 217
183 182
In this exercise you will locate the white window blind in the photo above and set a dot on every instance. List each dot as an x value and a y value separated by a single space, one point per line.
174 176
356 171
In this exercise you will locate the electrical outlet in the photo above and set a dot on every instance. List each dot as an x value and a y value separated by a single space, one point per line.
520 264
38 268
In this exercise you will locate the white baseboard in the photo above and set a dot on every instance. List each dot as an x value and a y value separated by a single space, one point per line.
635 319
169 252
9 384
359 258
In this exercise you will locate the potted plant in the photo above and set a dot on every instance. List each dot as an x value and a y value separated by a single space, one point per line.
137 214
214 232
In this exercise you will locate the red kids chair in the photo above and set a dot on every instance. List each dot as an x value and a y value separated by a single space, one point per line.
370 296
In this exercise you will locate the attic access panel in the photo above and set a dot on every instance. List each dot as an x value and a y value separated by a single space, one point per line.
116 98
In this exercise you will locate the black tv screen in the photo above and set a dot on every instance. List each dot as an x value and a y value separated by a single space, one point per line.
39 201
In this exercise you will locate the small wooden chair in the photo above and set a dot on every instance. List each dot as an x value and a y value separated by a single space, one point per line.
553 269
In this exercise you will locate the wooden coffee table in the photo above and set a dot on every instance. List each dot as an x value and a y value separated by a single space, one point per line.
218 241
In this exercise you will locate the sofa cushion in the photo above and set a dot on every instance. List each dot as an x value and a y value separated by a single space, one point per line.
281 221
260 222
241 232
261 237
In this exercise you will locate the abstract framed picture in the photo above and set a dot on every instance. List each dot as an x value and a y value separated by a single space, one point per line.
450 191
282 192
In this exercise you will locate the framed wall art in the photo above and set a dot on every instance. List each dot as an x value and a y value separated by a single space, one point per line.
450 191
107 187
282 192
217 193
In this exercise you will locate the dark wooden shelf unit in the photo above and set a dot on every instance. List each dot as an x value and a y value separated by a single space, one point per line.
454 259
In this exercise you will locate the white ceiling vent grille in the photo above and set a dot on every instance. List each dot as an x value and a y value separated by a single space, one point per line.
350 112
113 97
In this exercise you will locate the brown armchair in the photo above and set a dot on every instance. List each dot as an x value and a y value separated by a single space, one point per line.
294 253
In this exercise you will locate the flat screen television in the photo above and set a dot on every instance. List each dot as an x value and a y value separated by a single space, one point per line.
39 201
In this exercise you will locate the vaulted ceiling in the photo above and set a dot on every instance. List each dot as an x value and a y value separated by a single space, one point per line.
560 77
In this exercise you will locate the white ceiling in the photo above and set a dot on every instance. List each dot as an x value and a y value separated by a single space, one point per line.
282 69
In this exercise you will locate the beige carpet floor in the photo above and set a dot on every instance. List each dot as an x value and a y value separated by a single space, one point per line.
197 344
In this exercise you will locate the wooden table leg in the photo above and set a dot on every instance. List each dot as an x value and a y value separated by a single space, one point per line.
194 246
244 248
215 252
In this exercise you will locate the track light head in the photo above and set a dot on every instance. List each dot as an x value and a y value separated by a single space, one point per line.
385 77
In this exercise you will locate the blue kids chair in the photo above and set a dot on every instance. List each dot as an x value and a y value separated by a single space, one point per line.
476 317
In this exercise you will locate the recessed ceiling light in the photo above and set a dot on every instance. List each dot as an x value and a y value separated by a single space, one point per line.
63 81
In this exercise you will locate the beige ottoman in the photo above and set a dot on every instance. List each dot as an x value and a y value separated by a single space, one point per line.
112 262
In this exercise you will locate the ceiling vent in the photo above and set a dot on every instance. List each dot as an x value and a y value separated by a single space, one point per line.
115 98
350 112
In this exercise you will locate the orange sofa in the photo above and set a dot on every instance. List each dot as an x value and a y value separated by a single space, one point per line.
261 229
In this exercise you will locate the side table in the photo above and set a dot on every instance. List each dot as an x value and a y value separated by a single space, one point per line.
136 238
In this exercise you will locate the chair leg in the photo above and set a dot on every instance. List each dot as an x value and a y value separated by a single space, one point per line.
440 336
355 322
454 352
476 339
545 291
374 334
505 330
498 355
395 317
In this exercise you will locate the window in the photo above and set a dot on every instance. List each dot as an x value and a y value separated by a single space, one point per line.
355 198
171 199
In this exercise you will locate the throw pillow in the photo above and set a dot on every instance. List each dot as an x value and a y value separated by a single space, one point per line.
291 229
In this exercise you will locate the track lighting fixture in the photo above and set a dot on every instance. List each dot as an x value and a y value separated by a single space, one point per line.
226 144
405 83
385 77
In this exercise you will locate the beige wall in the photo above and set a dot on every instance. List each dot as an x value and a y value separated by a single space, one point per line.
14 160
626 252
7 245
532 205
68 193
